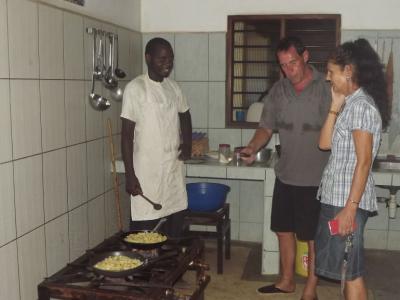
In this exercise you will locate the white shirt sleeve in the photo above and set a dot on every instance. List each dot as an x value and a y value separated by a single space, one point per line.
131 101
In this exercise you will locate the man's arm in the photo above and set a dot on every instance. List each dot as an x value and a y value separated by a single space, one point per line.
132 185
260 138
185 121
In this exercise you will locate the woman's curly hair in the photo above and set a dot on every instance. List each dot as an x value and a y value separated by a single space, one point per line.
367 72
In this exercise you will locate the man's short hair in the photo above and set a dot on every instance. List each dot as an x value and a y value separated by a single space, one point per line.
152 45
291 41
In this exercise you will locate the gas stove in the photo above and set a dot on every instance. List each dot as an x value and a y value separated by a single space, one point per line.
179 274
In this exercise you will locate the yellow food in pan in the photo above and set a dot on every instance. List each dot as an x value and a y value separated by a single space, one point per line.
145 238
118 263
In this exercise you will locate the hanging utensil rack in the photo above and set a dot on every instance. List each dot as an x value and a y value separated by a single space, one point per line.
106 75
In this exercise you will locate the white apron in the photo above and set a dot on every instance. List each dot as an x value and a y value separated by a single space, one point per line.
155 155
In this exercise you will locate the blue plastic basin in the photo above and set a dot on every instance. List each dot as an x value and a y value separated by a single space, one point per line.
206 196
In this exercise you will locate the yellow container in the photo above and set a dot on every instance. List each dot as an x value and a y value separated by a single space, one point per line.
301 258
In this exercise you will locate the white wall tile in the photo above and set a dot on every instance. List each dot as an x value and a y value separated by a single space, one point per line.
217 60
7 209
51 52
205 171
252 201
5 121
73 46
270 240
250 232
94 118
9 281
31 262
124 61
96 221
25 117
196 94
380 221
95 163
55 183
111 217
75 111
113 112
187 47
235 230
393 240
57 244
135 66
270 263
250 173
269 182
52 114
375 239
4 66
28 186
216 105
23 39
76 175
224 136
78 232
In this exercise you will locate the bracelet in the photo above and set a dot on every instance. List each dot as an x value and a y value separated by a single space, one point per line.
334 112
355 202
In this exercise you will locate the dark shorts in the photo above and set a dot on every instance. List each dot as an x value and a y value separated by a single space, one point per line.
173 227
295 209
329 250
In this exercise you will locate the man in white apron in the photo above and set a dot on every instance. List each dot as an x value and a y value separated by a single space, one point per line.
154 114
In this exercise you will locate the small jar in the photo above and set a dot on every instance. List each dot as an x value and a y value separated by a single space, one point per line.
224 153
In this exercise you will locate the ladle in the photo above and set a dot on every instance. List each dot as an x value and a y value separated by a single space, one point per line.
109 79
96 101
159 224
97 71
98 68
156 206
117 92
119 72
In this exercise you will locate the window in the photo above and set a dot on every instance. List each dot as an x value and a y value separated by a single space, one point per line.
251 63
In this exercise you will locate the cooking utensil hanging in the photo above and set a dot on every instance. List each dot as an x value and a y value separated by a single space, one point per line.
109 79
116 92
119 72
97 68
96 101
156 206
115 177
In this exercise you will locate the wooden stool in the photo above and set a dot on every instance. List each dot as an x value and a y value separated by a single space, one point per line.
220 219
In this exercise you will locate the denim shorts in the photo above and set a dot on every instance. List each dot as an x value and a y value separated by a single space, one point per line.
329 250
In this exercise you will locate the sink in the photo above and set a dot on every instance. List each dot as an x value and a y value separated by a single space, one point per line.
386 164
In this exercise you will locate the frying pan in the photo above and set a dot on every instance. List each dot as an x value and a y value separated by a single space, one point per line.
143 246
101 256
97 257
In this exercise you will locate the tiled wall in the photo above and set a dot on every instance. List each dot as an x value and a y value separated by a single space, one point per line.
55 182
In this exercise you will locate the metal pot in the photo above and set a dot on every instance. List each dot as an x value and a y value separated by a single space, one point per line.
263 155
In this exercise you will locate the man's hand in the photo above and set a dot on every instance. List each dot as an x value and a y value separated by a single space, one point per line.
185 151
132 185
248 155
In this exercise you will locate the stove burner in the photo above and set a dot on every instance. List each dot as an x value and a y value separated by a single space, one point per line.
157 280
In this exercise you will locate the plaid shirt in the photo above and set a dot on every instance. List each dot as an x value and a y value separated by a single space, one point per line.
359 113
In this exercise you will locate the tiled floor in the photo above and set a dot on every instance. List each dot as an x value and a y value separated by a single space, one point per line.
242 276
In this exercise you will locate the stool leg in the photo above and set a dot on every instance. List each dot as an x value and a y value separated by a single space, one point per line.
228 239
220 258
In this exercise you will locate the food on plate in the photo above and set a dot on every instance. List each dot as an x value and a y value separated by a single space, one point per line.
145 238
118 263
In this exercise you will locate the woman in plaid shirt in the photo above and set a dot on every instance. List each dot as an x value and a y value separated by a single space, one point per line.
352 131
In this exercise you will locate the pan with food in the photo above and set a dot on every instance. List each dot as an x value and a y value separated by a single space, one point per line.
144 239
116 263
119 264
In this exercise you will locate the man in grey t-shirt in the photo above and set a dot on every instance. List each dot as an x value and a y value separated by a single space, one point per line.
296 107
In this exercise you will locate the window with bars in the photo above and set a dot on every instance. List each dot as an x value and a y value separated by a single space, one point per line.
251 62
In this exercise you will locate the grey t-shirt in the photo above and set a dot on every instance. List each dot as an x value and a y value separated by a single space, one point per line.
298 118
